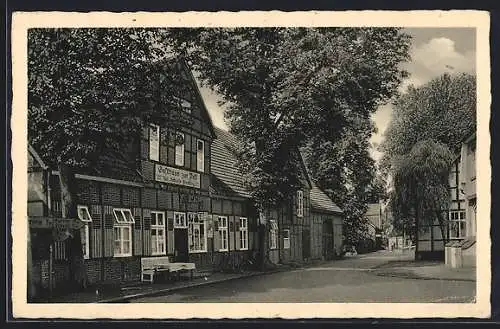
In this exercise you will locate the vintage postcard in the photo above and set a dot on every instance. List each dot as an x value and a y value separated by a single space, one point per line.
251 164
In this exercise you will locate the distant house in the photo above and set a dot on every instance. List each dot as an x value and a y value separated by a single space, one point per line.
460 218
375 224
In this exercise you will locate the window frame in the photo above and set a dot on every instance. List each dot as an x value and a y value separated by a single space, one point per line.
86 230
86 247
156 227
300 203
273 234
82 207
180 149
183 223
156 156
243 233
200 156
121 227
286 239
203 233
125 220
461 234
221 230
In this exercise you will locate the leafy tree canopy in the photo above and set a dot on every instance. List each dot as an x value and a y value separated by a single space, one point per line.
90 89
290 87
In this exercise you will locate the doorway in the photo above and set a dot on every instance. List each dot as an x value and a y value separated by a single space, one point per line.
181 253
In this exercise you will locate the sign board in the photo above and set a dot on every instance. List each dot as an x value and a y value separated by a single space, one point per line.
176 176
55 223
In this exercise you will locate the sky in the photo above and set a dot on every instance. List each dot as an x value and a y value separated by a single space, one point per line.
434 51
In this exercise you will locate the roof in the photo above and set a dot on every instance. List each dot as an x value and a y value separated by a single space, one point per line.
112 164
227 178
321 201
109 164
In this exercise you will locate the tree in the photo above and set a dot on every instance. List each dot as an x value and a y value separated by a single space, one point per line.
432 119
288 87
421 186
90 90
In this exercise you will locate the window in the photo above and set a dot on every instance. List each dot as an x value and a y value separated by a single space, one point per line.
84 216
123 240
184 104
300 203
123 232
123 216
197 232
154 142
273 235
200 156
243 233
286 239
457 224
222 221
179 149
180 220
158 233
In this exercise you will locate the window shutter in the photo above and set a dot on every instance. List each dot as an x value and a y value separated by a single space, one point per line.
96 235
146 243
137 232
109 238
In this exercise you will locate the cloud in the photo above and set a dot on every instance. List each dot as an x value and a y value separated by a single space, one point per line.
435 57
428 60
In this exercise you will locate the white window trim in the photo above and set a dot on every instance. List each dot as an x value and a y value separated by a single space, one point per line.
286 238
86 209
125 219
86 250
244 230
461 235
201 220
184 221
200 156
121 254
158 227
180 149
154 152
273 234
223 228
300 203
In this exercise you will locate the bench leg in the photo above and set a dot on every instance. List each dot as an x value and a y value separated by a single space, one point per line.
191 274
178 275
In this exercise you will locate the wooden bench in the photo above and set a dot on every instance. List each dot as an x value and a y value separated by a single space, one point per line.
150 266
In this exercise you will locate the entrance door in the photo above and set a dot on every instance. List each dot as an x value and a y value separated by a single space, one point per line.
181 245
306 243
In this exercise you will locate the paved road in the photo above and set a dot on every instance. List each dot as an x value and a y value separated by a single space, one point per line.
347 280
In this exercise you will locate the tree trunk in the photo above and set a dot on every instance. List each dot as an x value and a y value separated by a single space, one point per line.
67 182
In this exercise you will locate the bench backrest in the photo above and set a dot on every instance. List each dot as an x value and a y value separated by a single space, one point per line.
152 262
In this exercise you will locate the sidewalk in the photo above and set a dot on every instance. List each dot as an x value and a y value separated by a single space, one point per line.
130 290
426 270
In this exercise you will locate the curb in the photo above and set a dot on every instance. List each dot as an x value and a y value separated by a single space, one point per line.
172 289
417 277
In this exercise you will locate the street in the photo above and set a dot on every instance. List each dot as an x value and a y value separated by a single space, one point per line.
348 280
